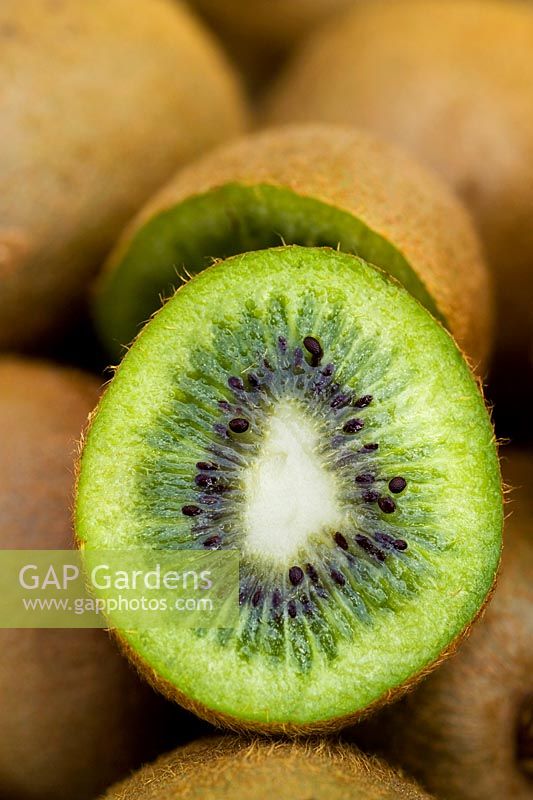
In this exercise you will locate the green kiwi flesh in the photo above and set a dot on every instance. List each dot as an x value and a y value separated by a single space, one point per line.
466 732
351 583
227 220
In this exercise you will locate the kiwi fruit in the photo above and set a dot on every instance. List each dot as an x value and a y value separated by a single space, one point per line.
453 83
74 716
259 35
258 769
106 99
300 407
307 185
467 731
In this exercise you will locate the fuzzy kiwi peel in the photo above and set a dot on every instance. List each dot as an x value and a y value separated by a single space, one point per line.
466 733
310 185
73 711
258 769
452 82
352 437
121 94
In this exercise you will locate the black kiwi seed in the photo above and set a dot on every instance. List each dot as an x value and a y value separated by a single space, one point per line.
340 401
314 347
257 597
212 542
371 446
400 544
191 510
239 425
296 575
364 401
205 481
397 485
312 573
276 598
206 466
353 426
371 496
387 505
235 383
370 548
340 540
338 577
291 608
365 477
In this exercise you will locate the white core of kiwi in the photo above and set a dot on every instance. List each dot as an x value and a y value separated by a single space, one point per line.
290 496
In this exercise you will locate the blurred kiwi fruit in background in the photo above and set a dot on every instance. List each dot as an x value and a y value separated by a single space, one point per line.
74 716
467 731
101 101
452 81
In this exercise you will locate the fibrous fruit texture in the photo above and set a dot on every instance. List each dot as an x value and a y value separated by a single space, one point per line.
308 185
453 83
467 731
300 407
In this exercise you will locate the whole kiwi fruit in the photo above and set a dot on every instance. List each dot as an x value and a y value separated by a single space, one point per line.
299 407
452 82
467 731
259 35
259 769
310 184
101 101
74 716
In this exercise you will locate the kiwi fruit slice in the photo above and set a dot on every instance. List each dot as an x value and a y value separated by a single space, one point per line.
467 731
74 716
453 83
307 185
298 406
257 769
106 99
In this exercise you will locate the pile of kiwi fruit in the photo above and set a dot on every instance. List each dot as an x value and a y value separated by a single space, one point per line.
292 327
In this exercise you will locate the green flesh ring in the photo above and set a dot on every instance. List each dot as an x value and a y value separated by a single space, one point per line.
414 574
225 221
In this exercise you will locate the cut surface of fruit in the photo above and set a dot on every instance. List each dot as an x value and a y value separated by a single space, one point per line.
300 407
309 185
452 82
467 732
230 767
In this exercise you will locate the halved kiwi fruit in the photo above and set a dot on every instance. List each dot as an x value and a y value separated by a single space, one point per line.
298 406
106 99
453 83
467 731
74 716
259 770
308 185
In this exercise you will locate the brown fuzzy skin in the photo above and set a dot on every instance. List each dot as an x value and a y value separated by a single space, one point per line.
73 712
367 178
252 769
104 100
458 732
452 81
